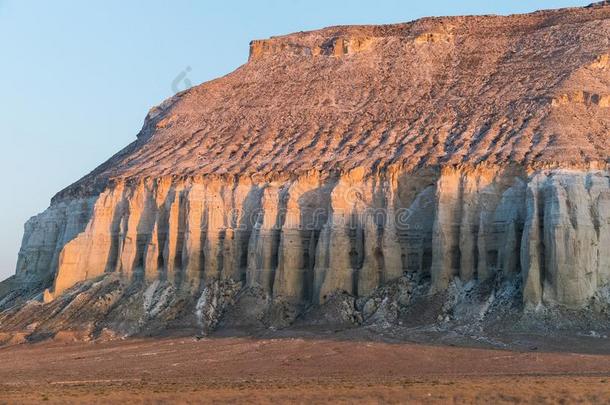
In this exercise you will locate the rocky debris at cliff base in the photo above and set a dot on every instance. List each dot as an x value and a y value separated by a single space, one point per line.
487 314
214 301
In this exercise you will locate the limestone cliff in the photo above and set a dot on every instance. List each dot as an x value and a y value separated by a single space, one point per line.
336 163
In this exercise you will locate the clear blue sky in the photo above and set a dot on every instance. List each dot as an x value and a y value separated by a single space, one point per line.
77 77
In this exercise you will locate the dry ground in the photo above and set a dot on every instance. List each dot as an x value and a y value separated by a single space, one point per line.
247 370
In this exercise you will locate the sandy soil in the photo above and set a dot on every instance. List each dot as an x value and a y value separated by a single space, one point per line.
294 370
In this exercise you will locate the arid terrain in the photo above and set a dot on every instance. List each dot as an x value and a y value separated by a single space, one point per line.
301 370
409 212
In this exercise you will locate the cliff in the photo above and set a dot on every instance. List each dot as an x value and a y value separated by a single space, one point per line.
339 174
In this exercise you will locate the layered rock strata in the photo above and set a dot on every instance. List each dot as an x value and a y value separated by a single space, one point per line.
303 240
342 160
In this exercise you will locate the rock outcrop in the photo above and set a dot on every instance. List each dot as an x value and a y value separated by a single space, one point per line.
334 164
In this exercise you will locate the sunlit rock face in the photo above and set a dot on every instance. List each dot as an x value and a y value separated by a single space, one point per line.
304 239
340 161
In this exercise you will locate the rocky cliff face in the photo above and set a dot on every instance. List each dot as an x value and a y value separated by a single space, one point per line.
339 174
